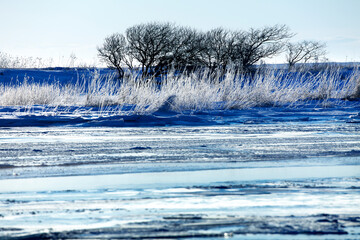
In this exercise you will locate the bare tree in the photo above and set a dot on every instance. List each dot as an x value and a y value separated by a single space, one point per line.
262 43
243 49
185 50
304 51
220 48
149 44
154 46
114 52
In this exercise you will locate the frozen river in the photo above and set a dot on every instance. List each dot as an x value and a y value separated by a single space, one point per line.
246 181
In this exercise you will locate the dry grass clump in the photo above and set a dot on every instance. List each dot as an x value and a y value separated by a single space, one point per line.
188 91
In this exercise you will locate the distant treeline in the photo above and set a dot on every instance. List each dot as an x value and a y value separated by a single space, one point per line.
157 47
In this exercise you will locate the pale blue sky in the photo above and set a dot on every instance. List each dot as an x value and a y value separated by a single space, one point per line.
58 28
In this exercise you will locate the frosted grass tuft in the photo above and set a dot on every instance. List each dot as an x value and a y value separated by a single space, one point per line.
188 91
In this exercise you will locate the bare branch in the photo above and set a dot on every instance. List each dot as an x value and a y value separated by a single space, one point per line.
263 43
304 51
113 52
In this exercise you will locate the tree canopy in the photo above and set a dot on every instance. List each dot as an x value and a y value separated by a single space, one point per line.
156 47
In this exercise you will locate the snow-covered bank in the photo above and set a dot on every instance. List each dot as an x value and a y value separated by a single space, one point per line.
331 110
